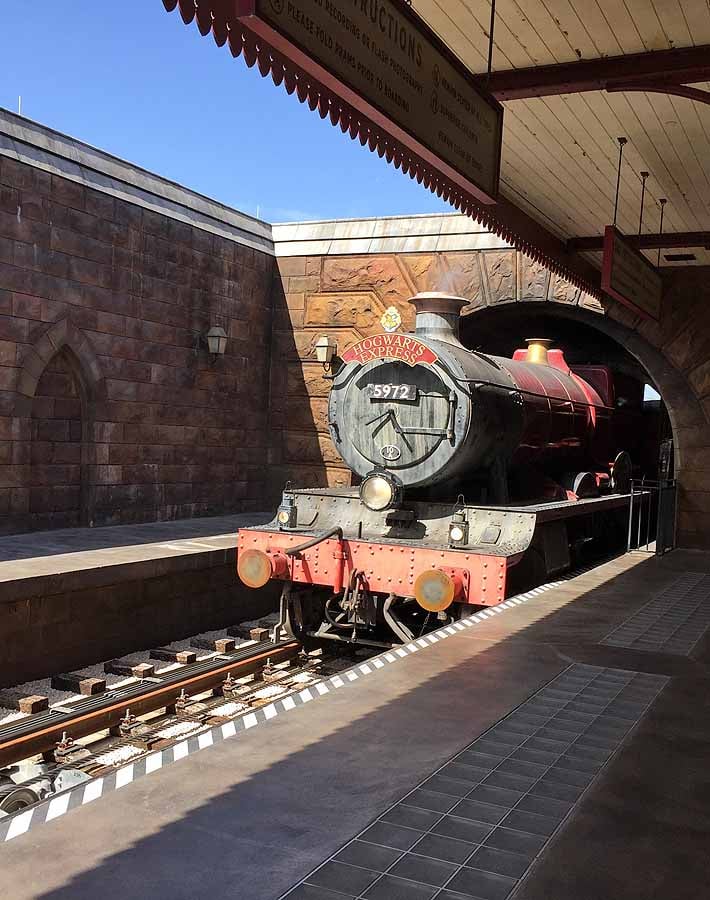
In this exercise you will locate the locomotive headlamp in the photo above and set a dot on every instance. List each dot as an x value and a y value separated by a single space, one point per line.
381 491
458 530
287 515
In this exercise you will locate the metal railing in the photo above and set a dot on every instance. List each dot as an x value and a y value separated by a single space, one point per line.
652 514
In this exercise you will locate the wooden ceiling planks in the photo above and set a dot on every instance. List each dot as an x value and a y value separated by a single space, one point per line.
560 152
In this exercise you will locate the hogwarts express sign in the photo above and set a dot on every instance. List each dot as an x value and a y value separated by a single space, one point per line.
390 346
381 59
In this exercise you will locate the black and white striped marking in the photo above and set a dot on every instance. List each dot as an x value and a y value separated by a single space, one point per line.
59 804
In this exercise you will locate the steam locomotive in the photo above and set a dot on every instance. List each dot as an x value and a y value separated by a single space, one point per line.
470 472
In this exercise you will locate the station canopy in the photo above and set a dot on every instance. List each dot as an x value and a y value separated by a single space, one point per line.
573 77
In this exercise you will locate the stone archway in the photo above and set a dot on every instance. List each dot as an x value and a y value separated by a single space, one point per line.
58 386
646 344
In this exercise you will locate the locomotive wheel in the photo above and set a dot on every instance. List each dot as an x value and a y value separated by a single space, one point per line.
303 614
14 798
621 472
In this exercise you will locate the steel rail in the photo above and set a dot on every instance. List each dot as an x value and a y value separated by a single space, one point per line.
40 733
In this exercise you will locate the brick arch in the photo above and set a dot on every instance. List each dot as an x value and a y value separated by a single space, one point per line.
646 342
63 335
63 344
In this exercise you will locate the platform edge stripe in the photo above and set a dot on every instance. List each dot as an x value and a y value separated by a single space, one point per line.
20 823
97 788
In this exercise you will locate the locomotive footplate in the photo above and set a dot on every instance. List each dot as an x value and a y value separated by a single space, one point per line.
388 552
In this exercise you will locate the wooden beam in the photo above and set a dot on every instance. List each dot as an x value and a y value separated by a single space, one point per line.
688 65
670 240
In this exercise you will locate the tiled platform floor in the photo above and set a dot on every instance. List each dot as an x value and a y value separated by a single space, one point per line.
253 817
474 828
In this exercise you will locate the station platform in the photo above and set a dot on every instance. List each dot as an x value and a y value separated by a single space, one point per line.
74 596
555 748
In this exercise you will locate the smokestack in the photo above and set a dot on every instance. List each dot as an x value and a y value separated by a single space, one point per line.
438 316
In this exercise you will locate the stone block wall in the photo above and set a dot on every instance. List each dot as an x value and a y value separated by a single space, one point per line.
109 412
345 297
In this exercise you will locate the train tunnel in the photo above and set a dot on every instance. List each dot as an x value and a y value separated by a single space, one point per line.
585 341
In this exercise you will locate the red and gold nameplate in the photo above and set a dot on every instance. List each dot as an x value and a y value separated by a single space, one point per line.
401 347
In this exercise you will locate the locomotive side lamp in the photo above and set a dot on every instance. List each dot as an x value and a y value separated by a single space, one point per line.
287 515
458 529
326 351
381 491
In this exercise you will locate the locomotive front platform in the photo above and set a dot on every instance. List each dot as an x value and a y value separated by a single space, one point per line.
554 746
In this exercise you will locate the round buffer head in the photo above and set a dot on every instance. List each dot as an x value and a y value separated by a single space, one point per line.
434 590
254 567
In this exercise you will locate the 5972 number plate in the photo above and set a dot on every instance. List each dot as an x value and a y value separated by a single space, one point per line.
392 392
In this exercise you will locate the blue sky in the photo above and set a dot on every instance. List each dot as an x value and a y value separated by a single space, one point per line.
134 80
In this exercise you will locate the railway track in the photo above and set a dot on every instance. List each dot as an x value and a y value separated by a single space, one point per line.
47 752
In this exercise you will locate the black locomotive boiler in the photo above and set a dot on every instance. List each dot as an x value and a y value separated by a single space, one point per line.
468 470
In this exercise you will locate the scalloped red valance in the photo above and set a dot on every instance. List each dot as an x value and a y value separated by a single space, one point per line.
221 19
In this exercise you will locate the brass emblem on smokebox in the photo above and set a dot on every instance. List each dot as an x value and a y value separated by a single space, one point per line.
391 320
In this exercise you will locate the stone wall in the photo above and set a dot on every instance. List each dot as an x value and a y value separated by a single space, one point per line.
108 411
345 296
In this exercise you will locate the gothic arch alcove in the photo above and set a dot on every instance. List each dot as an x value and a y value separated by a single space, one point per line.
59 386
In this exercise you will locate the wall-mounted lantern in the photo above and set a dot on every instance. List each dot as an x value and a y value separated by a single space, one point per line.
214 341
326 351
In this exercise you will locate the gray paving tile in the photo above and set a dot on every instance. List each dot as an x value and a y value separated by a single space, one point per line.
393 836
530 823
481 884
499 861
495 795
446 848
450 786
430 800
424 870
368 856
340 877
515 842
471 829
311 892
479 812
408 816
390 888
463 829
